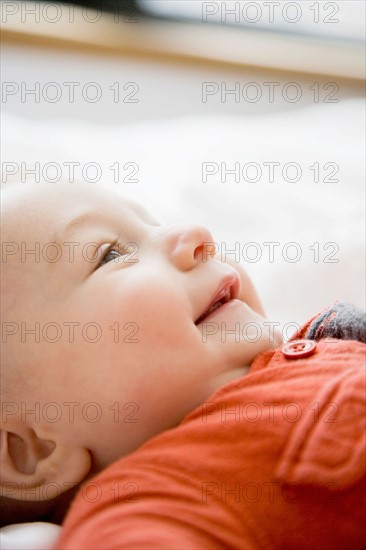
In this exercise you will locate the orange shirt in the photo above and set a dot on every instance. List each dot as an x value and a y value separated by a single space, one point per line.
275 459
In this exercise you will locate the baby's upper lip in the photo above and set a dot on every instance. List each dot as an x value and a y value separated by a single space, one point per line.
228 289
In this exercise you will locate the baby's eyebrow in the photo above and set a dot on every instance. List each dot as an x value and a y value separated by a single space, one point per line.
92 217
84 218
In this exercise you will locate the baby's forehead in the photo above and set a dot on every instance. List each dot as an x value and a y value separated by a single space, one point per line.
44 194
40 210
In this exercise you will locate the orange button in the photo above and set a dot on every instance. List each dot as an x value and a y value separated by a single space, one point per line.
298 348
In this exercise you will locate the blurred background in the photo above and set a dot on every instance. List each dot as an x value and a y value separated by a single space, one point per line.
169 48
247 117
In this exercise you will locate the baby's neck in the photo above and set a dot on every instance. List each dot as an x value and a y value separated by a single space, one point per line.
229 376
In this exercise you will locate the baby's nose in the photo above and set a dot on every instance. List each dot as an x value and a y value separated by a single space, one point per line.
190 244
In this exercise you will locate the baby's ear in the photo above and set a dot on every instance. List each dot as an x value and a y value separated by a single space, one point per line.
36 468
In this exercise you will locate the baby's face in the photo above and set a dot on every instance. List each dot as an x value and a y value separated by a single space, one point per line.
118 355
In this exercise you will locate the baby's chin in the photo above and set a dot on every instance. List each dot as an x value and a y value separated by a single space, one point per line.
277 340
235 373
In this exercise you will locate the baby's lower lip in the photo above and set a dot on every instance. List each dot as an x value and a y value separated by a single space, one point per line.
221 311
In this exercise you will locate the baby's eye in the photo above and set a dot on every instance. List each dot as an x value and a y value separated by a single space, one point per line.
119 253
113 252
109 256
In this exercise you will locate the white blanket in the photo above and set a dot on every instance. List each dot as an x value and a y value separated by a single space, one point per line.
29 536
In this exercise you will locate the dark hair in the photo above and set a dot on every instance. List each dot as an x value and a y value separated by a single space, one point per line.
24 511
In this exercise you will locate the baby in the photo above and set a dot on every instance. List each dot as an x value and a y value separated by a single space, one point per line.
100 305
115 329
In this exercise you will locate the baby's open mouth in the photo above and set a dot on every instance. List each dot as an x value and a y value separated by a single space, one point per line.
224 295
212 308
